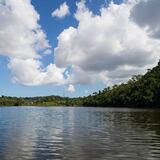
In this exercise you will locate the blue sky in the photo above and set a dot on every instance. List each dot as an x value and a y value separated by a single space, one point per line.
114 68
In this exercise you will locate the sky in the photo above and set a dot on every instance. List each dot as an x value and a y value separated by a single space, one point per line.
74 48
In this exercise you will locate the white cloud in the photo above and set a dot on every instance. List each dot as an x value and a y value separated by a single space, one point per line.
31 72
62 11
22 39
109 47
105 44
71 88
20 34
48 52
147 14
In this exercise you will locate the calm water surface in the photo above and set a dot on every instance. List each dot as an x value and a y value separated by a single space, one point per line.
43 133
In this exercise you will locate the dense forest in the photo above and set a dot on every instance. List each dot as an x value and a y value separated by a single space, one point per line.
140 91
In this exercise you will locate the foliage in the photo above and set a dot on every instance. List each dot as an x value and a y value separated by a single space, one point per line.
140 91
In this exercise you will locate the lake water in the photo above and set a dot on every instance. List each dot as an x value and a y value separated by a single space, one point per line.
45 133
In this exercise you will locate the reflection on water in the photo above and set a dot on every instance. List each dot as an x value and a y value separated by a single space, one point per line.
79 133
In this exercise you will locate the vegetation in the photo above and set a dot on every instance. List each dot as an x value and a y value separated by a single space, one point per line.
40 101
140 91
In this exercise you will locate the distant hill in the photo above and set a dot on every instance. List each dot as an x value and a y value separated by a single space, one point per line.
140 91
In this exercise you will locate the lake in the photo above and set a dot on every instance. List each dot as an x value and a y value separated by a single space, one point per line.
78 133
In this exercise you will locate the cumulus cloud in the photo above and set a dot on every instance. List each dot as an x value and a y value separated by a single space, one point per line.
109 47
22 39
71 88
62 11
31 72
103 45
48 52
20 34
147 14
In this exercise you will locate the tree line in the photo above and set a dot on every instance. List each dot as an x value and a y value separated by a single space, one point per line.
140 91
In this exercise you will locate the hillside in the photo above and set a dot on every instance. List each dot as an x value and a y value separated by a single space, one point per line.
140 91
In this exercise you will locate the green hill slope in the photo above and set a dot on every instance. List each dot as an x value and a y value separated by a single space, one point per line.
140 91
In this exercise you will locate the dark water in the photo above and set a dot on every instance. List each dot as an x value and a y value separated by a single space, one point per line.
79 134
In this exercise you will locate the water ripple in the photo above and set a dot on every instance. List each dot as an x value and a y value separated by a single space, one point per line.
79 133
